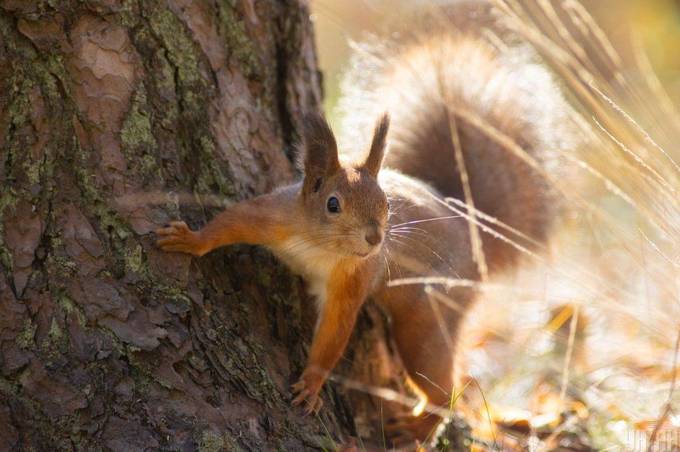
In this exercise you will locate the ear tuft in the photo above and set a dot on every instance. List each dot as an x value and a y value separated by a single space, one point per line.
378 144
321 151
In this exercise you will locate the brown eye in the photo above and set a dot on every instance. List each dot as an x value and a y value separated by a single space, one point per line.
333 205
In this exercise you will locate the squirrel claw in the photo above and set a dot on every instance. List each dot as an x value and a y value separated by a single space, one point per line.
177 237
301 397
312 401
299 386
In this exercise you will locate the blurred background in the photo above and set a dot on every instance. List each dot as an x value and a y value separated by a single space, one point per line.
579 352
655 22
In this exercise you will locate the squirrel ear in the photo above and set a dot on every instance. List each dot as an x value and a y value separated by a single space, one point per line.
321 151
377 152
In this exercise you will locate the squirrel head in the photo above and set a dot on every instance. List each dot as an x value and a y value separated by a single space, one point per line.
344 204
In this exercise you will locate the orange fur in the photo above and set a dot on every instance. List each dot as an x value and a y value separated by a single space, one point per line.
339 255
258 221
346 292
333 227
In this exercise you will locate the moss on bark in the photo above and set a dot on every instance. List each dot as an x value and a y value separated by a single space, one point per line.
104 341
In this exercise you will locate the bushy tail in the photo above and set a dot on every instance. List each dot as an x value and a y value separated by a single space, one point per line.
449 88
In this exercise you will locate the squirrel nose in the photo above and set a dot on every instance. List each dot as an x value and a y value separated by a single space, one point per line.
373 235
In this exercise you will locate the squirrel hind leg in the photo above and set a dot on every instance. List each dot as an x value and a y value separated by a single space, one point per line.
407 429
425 338
413 425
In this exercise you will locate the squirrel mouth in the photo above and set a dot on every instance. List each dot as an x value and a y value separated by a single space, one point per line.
368 253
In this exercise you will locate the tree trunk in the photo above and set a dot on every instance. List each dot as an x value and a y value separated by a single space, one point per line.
117 116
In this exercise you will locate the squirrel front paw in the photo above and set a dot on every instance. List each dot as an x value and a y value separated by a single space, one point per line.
307 390
178 237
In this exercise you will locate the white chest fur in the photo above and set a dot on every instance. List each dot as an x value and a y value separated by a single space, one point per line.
310 262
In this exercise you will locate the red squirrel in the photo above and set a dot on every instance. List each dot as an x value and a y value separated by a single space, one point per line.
348 228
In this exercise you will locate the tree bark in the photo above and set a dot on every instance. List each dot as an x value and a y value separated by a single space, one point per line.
117 116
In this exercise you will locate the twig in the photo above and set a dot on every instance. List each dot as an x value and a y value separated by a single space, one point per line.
570 351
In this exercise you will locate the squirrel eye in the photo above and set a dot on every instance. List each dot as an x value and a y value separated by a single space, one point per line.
333 205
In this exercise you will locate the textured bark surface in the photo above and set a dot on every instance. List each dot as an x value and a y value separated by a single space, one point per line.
115 117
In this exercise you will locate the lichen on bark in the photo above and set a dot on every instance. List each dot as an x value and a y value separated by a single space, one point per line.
110 112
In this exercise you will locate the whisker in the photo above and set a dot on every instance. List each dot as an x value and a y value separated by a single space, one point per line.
420 234
414 243
448 217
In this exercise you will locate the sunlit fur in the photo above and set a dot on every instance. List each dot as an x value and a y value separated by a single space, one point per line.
322 239
426 84
428 81
515 99
436 82
363 206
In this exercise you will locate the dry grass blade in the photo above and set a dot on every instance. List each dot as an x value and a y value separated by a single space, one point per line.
475 239
569 353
